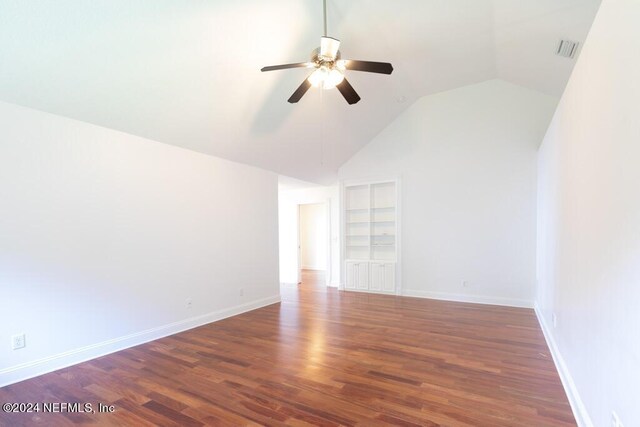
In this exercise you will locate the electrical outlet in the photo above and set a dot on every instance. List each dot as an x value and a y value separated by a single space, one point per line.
18 341
189 303
465 284
241 292
554 320
615 420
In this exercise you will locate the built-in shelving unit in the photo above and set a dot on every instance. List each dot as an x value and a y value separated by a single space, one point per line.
370 236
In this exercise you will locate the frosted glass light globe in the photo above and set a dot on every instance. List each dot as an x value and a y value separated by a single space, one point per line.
326 78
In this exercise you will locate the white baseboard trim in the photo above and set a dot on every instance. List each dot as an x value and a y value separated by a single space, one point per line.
45 365
577 405
476 299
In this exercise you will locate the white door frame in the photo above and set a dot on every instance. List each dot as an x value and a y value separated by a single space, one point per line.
298 251
327 269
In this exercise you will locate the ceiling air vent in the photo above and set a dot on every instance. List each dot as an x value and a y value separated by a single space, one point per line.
567 48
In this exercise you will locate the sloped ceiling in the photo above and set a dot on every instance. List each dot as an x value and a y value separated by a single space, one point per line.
187 72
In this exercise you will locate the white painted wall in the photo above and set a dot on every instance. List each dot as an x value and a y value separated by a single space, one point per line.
467 160
104 236
589 222
313 236
289 200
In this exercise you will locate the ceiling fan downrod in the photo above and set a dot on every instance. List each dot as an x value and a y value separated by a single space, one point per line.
324 8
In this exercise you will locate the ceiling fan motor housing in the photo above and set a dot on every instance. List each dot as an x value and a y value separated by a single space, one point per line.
318 58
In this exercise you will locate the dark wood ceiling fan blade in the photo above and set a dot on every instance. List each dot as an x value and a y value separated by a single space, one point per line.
299 93
369 66
285 66
348 92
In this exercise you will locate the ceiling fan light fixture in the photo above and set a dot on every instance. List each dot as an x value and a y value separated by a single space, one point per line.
334 78
326 78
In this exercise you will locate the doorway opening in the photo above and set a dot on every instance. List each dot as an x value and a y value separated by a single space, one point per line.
308 233
312 240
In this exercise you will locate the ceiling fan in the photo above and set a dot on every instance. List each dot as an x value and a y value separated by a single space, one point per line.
329 68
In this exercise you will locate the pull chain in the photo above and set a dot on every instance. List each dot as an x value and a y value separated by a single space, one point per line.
324 128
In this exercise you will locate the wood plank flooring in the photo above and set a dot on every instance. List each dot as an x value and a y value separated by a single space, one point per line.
322 357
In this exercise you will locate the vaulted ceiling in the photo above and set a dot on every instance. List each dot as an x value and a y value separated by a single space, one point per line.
187 72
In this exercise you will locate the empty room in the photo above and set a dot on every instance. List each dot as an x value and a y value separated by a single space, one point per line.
320 213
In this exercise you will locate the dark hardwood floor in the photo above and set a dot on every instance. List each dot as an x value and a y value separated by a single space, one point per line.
322 357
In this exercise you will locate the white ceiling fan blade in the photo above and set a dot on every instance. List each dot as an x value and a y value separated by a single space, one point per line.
329 47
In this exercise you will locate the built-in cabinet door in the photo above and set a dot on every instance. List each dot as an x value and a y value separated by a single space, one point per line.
357 277
363 275
389 277
383 277
377 276
352 275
